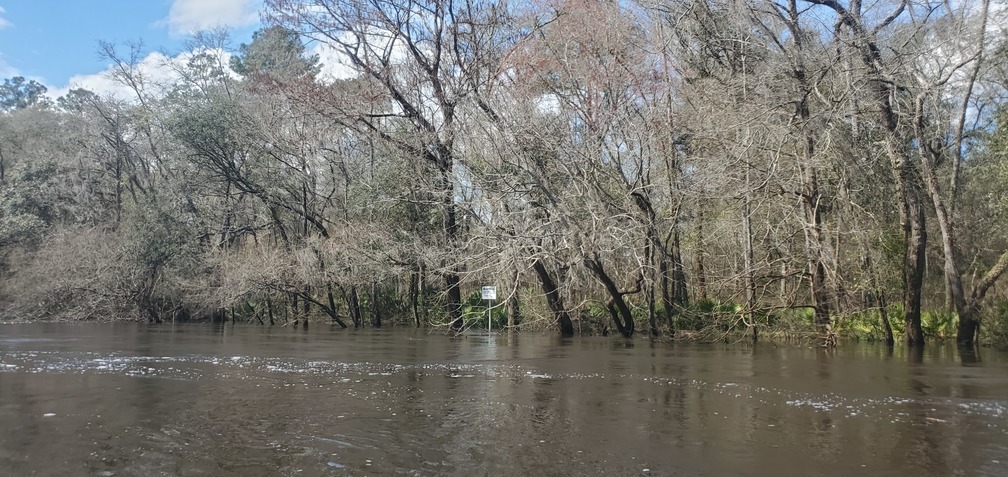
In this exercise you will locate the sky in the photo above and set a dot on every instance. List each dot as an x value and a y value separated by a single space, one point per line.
55 42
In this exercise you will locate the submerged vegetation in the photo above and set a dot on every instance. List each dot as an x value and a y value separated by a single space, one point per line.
690 169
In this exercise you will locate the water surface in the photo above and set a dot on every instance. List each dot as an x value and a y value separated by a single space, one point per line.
138 400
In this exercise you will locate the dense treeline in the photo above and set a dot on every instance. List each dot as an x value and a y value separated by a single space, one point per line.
685 167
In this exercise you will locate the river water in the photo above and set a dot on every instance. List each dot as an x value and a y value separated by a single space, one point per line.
137 400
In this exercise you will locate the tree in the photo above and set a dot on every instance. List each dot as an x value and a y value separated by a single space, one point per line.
19 93
937 83
418 60
275 52
882 93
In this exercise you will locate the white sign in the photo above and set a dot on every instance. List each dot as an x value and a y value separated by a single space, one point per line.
489 293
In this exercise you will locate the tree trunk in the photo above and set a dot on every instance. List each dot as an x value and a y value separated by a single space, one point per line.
618 308
876 299
443 158
513 305
955 293
680 294
884 315
306 304
332 306
812 206
376 318
553 299
414 296
881 92
513 312
652 316
649 292
969 331
747 242
666 296
329 309
353 306
701 274
916 241
422 290
454 303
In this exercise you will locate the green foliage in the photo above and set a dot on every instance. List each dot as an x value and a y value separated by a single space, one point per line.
997 142
939 324
474 312
20 217
277 52
867 325
77 100
154 237
32 199
19 93
704 313
994 324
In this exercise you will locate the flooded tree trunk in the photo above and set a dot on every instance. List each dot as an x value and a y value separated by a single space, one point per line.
875 298
882 306
376 317
811 199
649 291
880 91
680 293
654 250
332 306
443 158
813 249
329 309
454 304
916 241
976 297
666 295
414 296
513 312
747 256
513 305
306 304
652 315
269 310
701 275
553 299
618 308
422 289
353 306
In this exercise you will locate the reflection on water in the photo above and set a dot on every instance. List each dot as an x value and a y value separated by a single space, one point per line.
203 400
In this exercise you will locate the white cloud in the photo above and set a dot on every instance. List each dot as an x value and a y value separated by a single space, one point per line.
4 23
188 16
335 64
153 69
158 71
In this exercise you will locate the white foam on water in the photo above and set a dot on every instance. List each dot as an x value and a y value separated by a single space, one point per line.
278 371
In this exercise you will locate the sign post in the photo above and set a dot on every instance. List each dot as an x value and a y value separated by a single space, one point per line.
489 294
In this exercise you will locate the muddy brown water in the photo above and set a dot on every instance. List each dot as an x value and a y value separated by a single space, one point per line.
138 400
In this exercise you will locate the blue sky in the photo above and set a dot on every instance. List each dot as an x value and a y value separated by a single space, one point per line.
56 41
